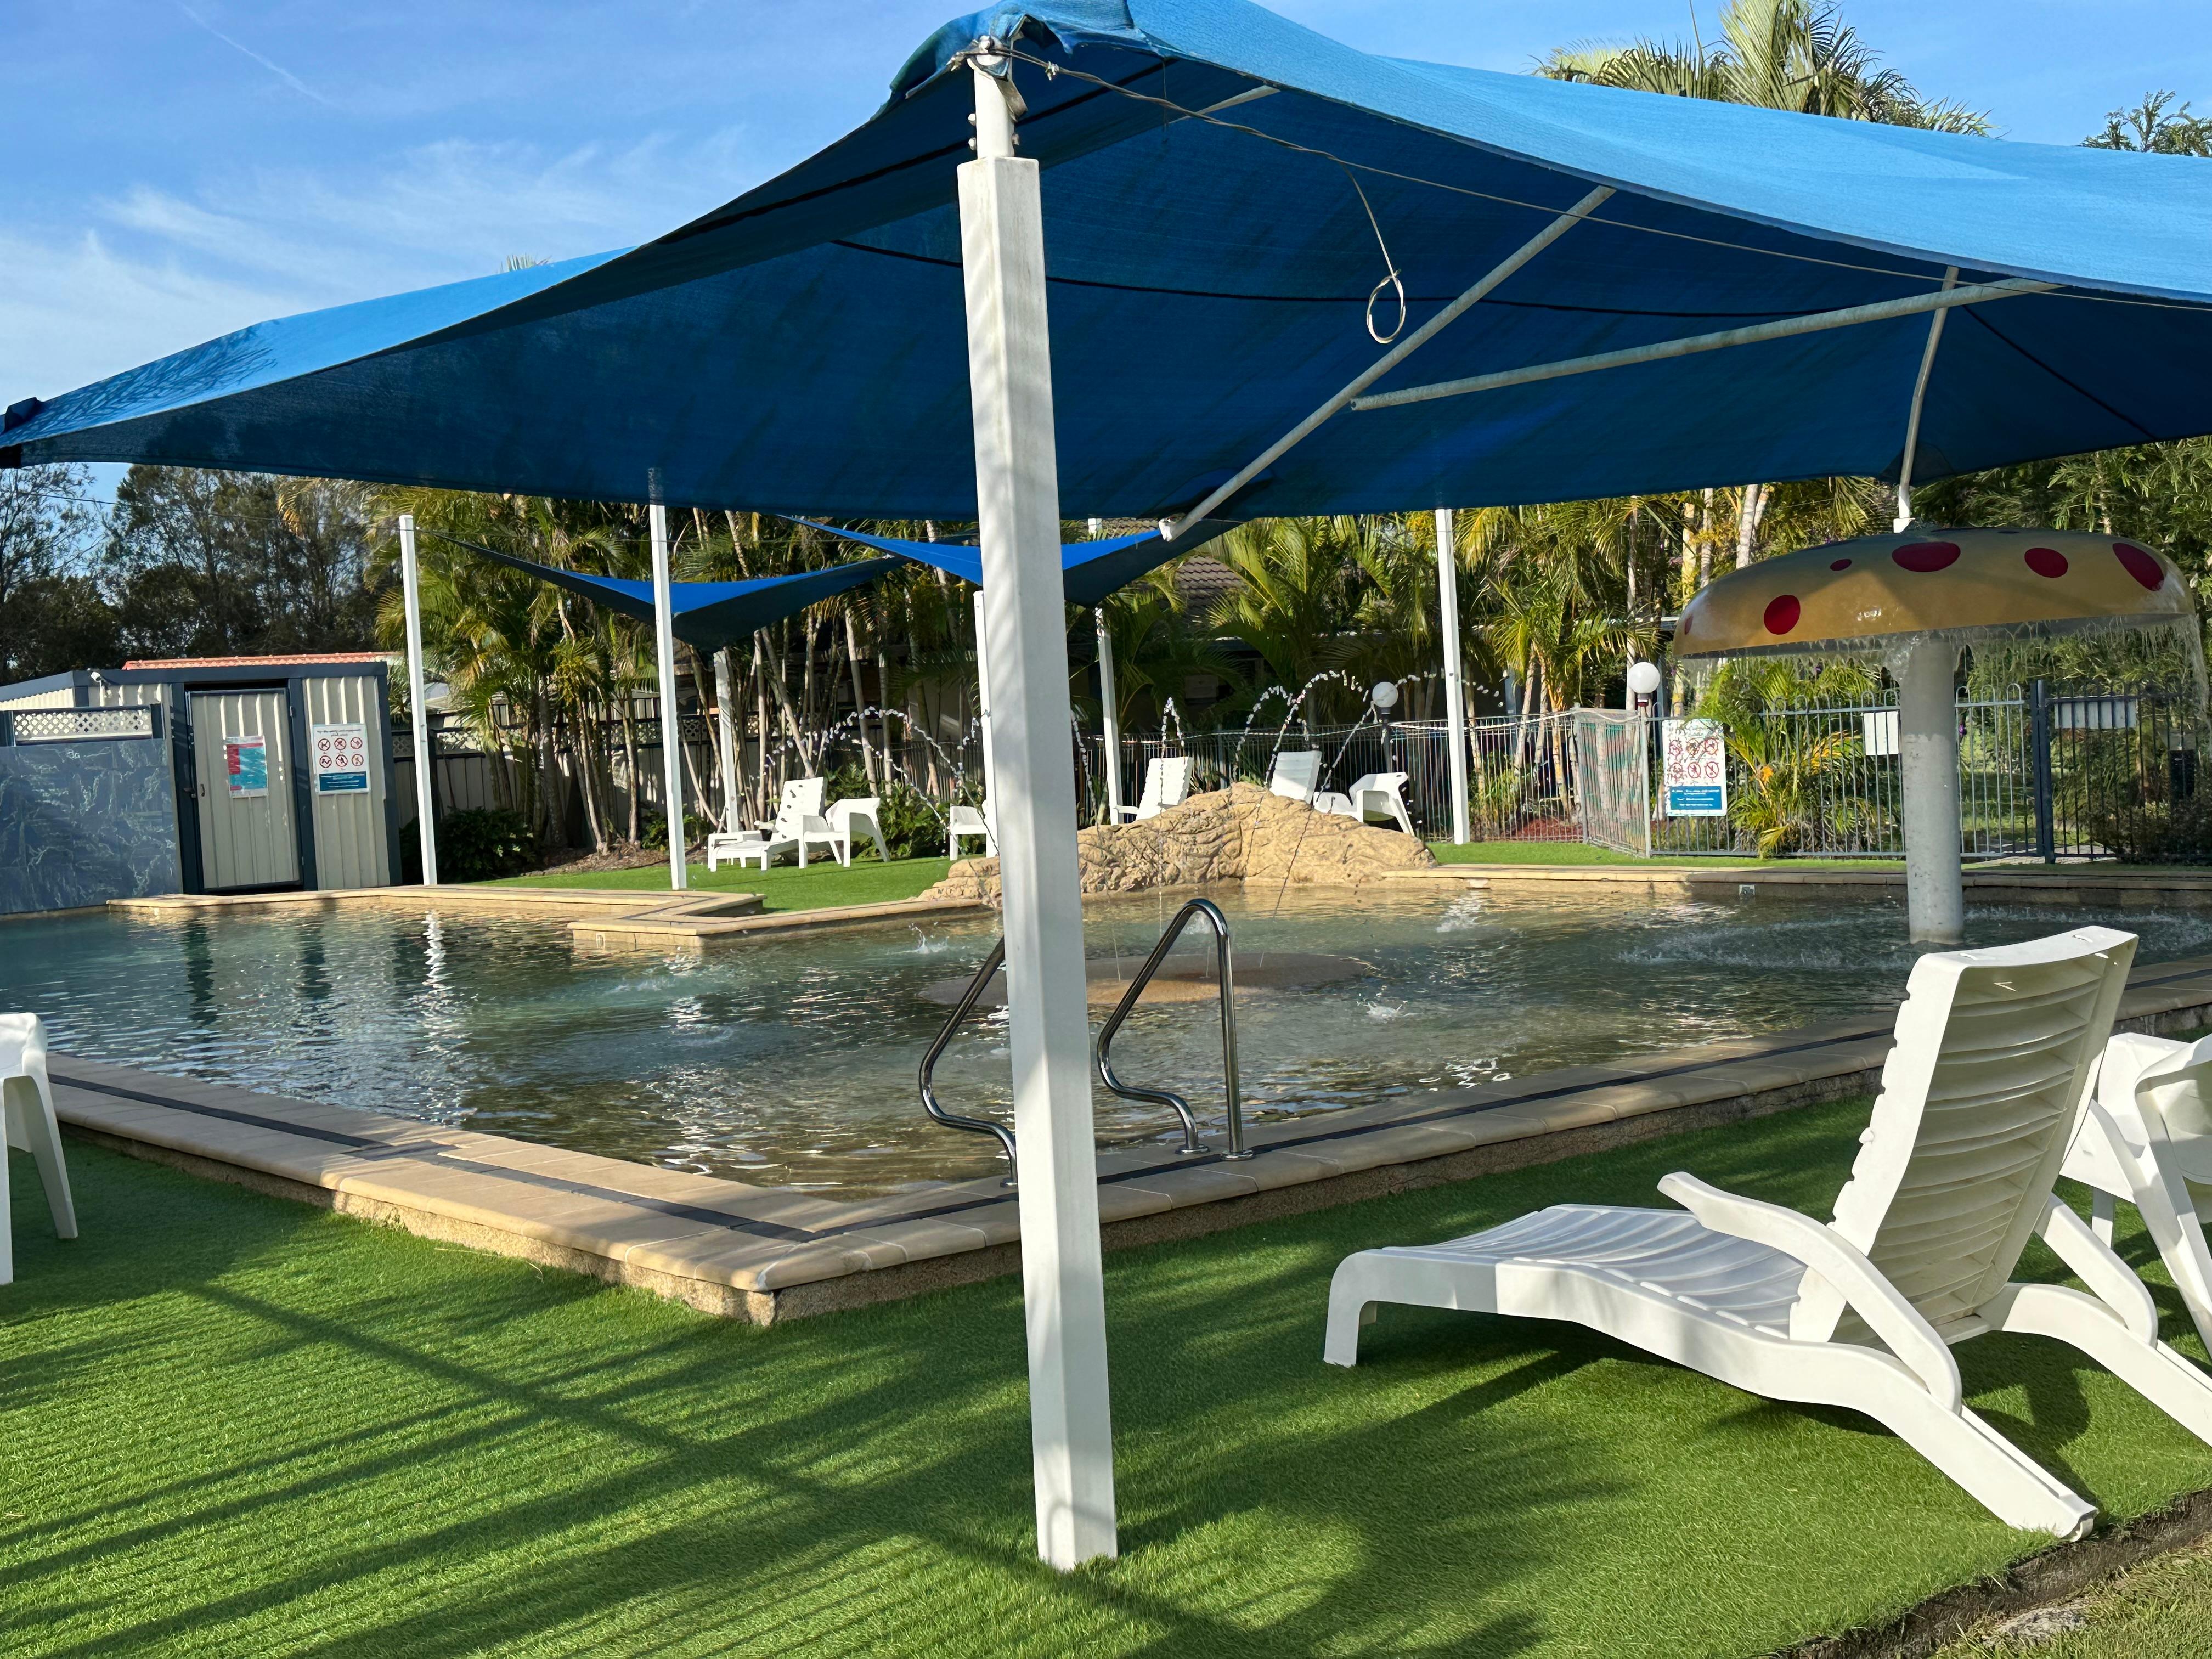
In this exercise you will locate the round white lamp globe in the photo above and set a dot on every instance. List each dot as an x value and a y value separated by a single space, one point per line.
1643 679
1384 695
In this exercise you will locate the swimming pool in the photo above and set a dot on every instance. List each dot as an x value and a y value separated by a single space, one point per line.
791 1061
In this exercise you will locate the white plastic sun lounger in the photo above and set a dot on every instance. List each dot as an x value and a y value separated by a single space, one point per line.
800 800
1378 794
835 829
1994 1055
27 1122
2148 1142
1296 774
971 823
1166 783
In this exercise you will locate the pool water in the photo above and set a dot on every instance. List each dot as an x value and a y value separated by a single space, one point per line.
791 1061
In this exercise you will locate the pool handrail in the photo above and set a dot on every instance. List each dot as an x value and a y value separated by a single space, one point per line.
1226 971
938 1045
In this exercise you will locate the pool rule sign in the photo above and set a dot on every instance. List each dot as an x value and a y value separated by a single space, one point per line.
1695 769
341 758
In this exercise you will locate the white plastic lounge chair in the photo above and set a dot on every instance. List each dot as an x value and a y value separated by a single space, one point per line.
1166 783
27 1122
1993 1055
1379 795
801 800
2148 1141
1296 774
971 823
835 829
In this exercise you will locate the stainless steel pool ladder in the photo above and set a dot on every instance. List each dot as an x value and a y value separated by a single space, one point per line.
1226 971
961 1010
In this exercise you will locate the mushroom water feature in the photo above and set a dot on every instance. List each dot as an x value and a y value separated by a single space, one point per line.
1915 600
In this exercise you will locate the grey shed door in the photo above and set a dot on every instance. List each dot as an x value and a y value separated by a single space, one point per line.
242 752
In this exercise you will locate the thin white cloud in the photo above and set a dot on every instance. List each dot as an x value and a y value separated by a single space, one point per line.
164 270
277 70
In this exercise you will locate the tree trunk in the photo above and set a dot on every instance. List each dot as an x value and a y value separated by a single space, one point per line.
860 699
629 766
1749 511
1706 541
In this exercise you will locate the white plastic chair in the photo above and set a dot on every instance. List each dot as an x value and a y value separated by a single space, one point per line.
1296 774
801 799
2147 1140
971 823
1166 783
1379 795
1994 1056
835 829
27 1116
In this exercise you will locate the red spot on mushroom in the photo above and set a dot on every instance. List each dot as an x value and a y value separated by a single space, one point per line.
1841 564
2140 565
1924 556
1782 613
2045 561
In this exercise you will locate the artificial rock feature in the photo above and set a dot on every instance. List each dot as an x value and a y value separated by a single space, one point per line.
1243 833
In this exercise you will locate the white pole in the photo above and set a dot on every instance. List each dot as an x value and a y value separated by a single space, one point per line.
1033 792
1454 682
425 747
1928 747
725 732
672 720
1110 714
1912 417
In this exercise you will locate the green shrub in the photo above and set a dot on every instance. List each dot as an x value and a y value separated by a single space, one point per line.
653 830
913 826
485 843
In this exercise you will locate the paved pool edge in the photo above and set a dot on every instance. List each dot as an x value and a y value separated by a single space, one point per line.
766 1254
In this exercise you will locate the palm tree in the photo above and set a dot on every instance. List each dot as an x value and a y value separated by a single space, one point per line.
1779 54
2152 127
1795 55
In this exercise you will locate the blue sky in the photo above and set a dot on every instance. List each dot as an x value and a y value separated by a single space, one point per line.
176 170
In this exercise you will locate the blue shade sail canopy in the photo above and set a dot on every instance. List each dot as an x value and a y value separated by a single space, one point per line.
705 615
1090 570
803 347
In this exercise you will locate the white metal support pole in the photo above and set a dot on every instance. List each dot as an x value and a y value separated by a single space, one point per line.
1455 681
1110 717
672 719
1033 792
426 745
725 733
1912 417
1110 706
1928 750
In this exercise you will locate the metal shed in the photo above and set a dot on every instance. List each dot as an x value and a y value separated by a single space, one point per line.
282 766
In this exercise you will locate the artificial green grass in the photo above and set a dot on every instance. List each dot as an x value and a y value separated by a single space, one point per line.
2161 1610
822 885
1575 852
236 1426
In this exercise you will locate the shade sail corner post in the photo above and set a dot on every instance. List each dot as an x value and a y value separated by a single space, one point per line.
1024 640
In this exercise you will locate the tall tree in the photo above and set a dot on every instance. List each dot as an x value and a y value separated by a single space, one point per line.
52 616
207 563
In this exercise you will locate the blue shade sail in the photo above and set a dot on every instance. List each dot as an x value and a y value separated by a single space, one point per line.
802 347
706 615
1090 570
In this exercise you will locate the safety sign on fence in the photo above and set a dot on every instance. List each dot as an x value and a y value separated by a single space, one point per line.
341 758
246 766
1693 769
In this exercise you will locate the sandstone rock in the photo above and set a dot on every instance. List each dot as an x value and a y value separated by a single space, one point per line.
1244 833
